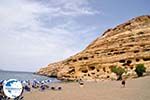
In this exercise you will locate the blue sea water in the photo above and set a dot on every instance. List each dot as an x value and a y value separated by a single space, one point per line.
5 75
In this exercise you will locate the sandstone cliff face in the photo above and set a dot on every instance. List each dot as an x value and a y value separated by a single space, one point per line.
126 45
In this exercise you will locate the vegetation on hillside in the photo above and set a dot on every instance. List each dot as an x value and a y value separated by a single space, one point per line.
118 71
140 69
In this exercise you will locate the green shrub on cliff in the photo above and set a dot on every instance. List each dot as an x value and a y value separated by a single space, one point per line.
140 69
118 71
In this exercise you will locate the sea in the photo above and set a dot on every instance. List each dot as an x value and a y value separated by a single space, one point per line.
22 76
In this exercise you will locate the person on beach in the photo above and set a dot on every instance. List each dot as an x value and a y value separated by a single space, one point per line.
123 82
81 83
27 88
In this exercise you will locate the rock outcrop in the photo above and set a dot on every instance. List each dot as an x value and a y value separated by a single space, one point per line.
126 45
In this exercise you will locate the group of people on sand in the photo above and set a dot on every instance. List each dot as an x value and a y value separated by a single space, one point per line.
28 86
41 85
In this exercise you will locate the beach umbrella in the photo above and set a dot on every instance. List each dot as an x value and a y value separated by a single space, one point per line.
43 82
35 81
4 81
21 81
28 81
1 81
24 82
48 81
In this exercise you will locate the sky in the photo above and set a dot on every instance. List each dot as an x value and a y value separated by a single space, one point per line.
34 33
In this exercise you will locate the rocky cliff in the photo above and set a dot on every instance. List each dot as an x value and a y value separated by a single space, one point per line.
125 45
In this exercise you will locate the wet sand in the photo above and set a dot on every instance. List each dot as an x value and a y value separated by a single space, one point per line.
136 89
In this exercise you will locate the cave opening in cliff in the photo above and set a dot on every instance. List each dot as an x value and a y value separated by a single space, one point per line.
91 67
146 59
74 60
84 71
129 62
137 60
122 61
85 58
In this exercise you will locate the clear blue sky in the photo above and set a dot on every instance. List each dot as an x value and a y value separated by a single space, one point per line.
34 33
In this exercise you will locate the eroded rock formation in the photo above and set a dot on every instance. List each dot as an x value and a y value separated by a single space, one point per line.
126 45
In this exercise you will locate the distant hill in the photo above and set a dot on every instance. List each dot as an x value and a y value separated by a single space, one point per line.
125 45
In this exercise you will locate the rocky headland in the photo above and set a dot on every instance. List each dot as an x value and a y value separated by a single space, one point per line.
126 45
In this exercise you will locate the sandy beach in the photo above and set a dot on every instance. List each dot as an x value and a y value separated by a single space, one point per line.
136 89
